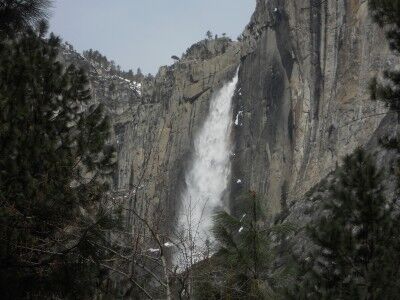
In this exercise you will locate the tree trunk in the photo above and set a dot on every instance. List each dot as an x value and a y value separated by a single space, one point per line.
165 268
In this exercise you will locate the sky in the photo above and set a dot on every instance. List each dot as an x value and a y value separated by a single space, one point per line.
146 33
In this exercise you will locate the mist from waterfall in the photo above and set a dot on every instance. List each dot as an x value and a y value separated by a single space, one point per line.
208 176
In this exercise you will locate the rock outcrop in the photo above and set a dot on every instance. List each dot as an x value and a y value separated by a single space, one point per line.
155 135
154 121
302 103
304 100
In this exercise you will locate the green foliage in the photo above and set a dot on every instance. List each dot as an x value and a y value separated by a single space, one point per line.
17 15
102 61
248 251
53 168
97 57
357 238
387 14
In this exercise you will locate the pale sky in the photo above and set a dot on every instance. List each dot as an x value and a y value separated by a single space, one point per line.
145 33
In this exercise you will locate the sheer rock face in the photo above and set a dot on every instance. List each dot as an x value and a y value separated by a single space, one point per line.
304 97
302 104
156 134
153 127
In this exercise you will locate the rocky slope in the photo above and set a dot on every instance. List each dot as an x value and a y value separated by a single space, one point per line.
302 103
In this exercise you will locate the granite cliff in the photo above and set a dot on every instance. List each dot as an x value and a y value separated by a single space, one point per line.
301 104
304 100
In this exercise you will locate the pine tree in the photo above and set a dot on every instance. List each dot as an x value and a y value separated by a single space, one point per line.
387 14
357 238
16 15
54 166
248 248
130 75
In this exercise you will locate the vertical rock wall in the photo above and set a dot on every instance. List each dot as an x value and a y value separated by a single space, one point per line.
304 80
302 103
157 137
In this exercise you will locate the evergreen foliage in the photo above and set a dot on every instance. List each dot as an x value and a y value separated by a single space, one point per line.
387 14
102 61
17 15
54 163
248 252
357 238
98 57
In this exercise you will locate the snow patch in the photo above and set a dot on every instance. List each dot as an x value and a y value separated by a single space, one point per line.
153 250
239 114
241 219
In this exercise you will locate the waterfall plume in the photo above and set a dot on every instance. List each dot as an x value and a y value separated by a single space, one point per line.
208 176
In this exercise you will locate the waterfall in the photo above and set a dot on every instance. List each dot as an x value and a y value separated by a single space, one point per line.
208 176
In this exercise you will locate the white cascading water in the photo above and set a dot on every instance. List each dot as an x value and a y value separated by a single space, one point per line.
208 177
